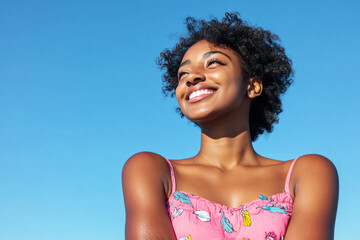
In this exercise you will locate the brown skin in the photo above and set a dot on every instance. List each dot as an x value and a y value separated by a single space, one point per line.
226 170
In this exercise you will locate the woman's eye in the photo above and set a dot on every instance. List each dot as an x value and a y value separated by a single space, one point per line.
214 61
180 74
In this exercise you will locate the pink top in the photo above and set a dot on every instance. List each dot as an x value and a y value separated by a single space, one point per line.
196 218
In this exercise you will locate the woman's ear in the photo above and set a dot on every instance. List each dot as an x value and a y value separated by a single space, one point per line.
255 87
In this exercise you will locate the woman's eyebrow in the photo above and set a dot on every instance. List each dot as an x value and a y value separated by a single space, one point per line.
184 63
205 55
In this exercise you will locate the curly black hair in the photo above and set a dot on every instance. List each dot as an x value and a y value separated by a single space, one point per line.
261 56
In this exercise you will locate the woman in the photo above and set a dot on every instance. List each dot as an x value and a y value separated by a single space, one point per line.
228 77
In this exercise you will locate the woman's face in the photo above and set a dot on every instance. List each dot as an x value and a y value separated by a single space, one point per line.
210 83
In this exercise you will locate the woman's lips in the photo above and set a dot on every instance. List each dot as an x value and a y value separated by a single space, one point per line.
200 95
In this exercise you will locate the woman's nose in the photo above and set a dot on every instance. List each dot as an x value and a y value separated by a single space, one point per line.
195 78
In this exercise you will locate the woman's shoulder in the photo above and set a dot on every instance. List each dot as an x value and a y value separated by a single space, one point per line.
313 163
145 157
304 160
314 169
147 167
146 181
146 162
147 170
316 189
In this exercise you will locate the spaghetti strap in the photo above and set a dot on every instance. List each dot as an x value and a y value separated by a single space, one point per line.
173 183
287 182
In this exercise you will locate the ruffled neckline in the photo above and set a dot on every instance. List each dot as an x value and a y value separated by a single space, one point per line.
277 199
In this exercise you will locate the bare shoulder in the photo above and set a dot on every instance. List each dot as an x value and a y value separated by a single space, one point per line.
143 172
314 166
145 180
144 162
316 188
145 158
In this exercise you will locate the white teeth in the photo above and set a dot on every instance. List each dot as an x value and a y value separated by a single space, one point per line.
200 92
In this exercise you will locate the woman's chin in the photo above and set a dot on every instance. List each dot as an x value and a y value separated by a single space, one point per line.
201 117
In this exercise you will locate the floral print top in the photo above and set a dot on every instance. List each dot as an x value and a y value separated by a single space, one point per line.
196 218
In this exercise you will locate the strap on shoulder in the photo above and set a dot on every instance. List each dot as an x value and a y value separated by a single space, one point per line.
287 182
172 174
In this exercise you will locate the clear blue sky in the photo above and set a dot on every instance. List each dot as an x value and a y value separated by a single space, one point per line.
80 93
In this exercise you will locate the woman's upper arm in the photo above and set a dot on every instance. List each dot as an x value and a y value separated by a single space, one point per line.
143 179
316 191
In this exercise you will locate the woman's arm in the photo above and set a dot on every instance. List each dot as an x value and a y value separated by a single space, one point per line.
144 177
316 190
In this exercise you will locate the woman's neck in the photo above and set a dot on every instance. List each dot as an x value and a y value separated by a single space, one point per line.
226 147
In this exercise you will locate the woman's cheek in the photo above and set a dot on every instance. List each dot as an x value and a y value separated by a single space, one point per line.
215 76
177 93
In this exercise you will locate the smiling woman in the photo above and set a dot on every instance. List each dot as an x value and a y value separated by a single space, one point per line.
228 78
216 71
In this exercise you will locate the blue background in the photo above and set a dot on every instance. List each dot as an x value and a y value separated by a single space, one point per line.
80 93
